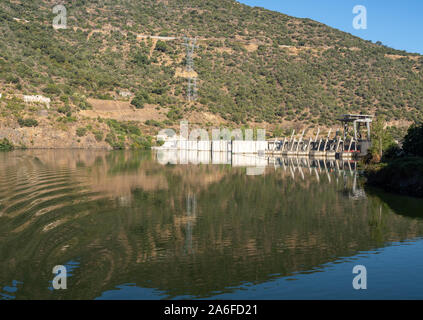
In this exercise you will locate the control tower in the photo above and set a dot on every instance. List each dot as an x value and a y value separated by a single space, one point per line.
358 121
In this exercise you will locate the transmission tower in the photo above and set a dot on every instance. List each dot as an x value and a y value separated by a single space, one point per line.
191 45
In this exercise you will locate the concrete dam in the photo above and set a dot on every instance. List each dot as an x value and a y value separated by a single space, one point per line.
351 144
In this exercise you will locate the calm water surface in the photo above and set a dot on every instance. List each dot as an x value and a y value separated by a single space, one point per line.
141 225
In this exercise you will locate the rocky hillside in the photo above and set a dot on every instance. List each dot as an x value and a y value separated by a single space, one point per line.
253 67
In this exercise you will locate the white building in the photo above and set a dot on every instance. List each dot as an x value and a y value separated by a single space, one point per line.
37 98
125 94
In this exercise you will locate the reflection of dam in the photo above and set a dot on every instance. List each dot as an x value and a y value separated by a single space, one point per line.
256 163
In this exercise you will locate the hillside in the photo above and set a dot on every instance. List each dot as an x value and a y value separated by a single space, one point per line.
255 67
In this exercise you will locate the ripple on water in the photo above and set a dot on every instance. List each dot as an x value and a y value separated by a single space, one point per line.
38 191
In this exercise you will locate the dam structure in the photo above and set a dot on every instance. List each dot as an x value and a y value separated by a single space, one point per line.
350 144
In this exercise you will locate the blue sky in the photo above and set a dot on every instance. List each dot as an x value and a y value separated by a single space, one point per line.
398 24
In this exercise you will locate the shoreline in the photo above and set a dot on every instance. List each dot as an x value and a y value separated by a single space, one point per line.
403 176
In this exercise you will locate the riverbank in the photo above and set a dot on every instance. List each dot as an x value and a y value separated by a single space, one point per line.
107 134
402 175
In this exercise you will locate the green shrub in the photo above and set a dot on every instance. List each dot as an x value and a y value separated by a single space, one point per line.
84 105
65 110
6 145
80 132
105 96
174 114
138 102
133 129
161 46
140 98
141 142
67 119
12 79
141 59
15 106
115 142
153 123
98 136
28 122
52 89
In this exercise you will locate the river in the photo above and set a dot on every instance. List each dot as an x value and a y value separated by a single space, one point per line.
141 225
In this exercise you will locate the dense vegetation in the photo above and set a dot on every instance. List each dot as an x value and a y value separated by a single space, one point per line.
400 169
413 141
121 132
253 65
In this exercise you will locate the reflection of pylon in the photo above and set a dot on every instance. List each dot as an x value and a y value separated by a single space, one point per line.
191 214
191 205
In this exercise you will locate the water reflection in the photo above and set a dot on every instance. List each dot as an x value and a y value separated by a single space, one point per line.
149 225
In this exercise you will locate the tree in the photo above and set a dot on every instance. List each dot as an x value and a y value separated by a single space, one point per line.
140 98
381 139
161 46
141 59
413 141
